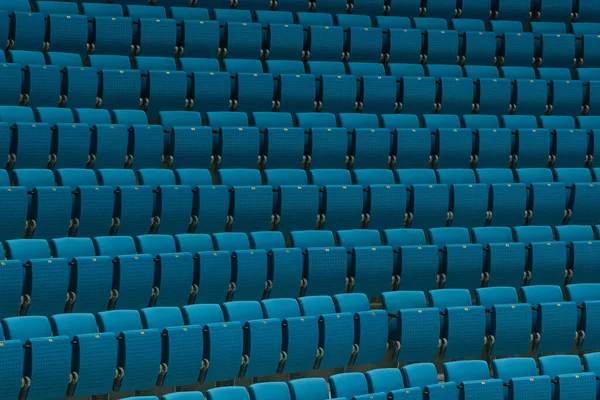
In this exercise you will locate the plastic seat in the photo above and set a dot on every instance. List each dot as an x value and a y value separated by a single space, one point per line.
564 97
417 95
213 85
546 259
327 145
413 320
295 92
325 43
516 48
67 32
356 46
339 199
556 50
441 47
585 297
139 355
295 202
403 46
253 92
478 47
424 375
120 89
570 381
531 147
554 320
429 213
27 30
504 261
389 380
492 95
473 376
336 331
455 95
337 94
348 385
227 393
319 249
223 342
504 310
300 335
187 142
308 388
549 210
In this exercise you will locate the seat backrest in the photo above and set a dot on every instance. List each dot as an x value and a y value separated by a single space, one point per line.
351 302
316 305
114 246
348 384
419 375
530 234
384 380
242 311
231 241
396 301
228 393
309 389
73 324
492 234
305 239
537 294
444 236
490 296
155 244
404 237
508 368
118 321
202 314
194 243
26 249
444 298
24 328
460 371
269 390
559 364
280 308
161 317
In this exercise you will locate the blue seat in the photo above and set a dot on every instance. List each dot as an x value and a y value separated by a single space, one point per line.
370 327
581 244
459 339
369 146
377 94
586 298
284 40
308 388
348 385
417 95
295 92
27 30
516 48
380 187
403 45
570 148
282 144
363 43
337 93
389 380
554 320
336 331
504 310
513 371
440 47
223 342
94 353
546 199
296 204
546 259
370 265
67 32
565 96
424 375
455 95
327 146
428 205
237 144
474 378
251 204
199 36
532 147
92 204
415 262
570 381
14 213
424 24
415 331
253 92
325 43
226 393
478 47
285 264
50 206
399 70
215 86
46 357
300 335
556 50
139 354
319 250
341 202
120 89
265 390
453 147
187 142
492 95
443 71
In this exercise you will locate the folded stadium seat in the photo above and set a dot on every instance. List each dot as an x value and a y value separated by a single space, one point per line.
119 88
531 147
511 9
295 202
324 43
504 261
35 93
422 184
146 143
174 271
12 288
330 6
478 121
554 320
555 50
586 47
455 95
460 339
79 84
182 353
582 194
94 353
295 92
504 310
550 207
370 265
492 96
210 202
476 72
284 41
451 144
390 381
590 100
20 121
266 17
417 95
212 269
337 94
477 47
319 249
590 362
336 332
402 45
546 259
237 144
282 144
242 39
516 49
520 374
580 247
415 330
45 280
56 7
133 203
473 378
251 204
341 202
474 9
262 338
223 342
369 145
27 30
363 43
91 276
253 92
10 74
565 370
424 24
373 8
188 144
443 71
384 202
300 335
377 94
570 148
92 204
348 385
411 145
108 142
215 86
327 145
133 279
264 390
277 67
14 211
455 249
49 206
139 354
227 393
198 36
399 70
424 375
172 202
468 199
564 97
553 10
586 297
308 388
529 97
109 31
440 47
370 325
553 122
66 31
284 273
249 267
46 357
440 9
492 146
415 262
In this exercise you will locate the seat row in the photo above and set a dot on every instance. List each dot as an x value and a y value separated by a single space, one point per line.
542 323
77 354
